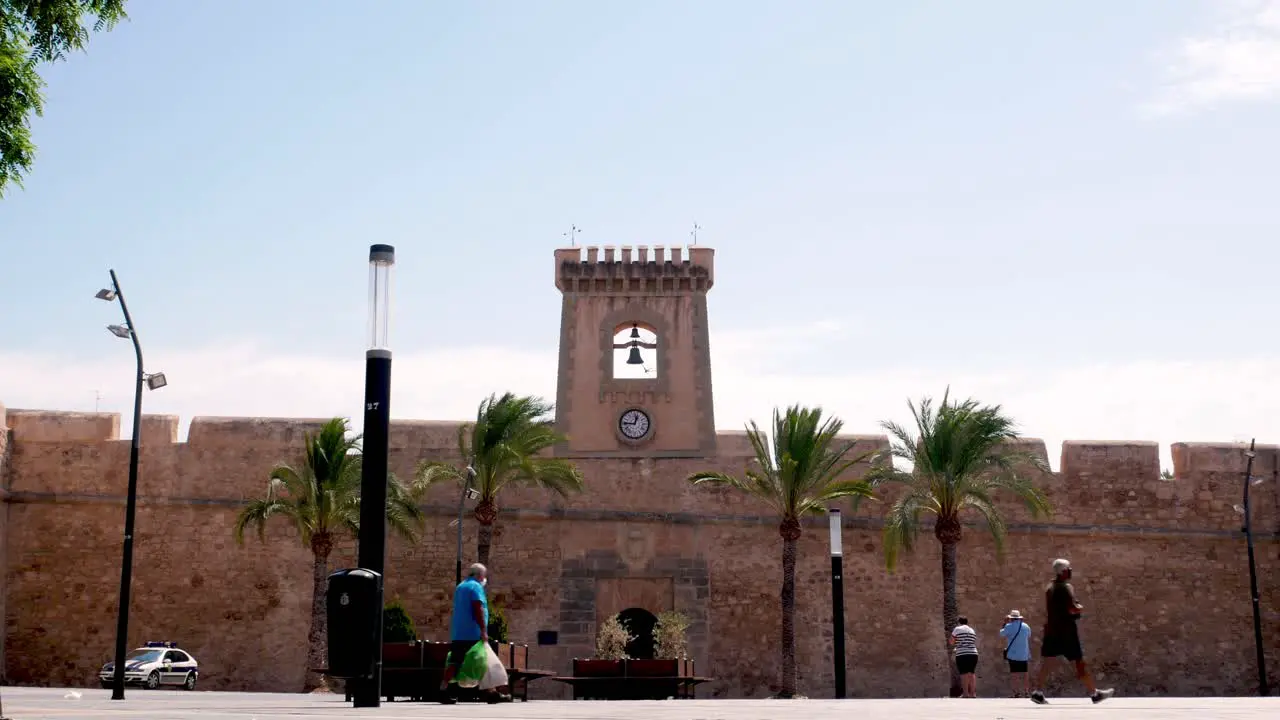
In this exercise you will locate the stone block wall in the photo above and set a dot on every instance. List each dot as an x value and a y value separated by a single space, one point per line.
1159 563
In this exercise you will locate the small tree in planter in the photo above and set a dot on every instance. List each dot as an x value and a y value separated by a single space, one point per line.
612 639
670 635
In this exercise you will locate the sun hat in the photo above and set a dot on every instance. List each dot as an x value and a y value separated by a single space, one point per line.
1015 615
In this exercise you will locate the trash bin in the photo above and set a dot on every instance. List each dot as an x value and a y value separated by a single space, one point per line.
354 609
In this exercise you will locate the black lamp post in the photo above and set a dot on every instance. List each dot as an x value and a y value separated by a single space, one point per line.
837 602
373 475
1249 480
154 382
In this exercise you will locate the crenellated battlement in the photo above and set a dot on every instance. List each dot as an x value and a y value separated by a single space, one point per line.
628 270
1098 482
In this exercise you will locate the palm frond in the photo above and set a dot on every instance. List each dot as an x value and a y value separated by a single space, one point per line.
801 468
901 524
431 472
961 452
507 444
257 513
403 514
994 519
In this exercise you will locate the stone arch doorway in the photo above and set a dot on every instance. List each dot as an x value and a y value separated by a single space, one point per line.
639 623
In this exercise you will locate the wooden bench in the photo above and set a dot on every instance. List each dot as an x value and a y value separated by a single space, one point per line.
595 679
414 670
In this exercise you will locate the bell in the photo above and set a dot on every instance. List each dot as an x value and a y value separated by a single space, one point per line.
635 332
634 358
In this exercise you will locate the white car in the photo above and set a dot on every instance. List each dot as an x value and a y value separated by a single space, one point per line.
156 664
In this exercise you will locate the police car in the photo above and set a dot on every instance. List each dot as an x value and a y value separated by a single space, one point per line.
153 665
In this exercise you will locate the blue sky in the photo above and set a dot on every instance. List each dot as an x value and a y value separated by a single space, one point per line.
1068 209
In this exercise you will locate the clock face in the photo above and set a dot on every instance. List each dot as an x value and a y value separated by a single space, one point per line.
634 424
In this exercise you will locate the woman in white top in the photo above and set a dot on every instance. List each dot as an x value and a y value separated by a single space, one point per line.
965 641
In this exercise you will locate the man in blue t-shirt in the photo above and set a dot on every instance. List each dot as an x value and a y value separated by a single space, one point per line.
468 626
1017 642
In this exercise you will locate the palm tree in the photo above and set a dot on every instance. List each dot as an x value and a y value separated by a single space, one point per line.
506 444
797 474
322 500
960 455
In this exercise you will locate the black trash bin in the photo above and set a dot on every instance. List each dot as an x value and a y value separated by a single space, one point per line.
354 608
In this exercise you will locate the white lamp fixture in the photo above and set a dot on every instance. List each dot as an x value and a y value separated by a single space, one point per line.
381 259
837 547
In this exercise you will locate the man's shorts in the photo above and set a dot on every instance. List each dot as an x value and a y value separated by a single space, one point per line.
1017 666
458 650
966 664
1063 645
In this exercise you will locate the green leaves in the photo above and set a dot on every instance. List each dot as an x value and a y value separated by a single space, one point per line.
322 497
507 444
31 32
961 453
797 471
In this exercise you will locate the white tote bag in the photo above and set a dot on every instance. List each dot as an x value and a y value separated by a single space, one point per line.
496 675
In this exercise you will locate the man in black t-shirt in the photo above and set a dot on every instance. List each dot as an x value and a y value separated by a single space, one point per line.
1061 636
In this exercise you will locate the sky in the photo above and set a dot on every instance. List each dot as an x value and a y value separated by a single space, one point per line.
1065 209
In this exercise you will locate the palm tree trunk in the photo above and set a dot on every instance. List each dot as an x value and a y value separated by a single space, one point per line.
317 636
483 544
790 533
950 611
486 515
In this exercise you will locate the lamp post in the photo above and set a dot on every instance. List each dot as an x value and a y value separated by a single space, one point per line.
462 501
154 382
373 474
1249 480
837 601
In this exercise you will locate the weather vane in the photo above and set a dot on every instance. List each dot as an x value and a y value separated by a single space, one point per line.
572 235
694 232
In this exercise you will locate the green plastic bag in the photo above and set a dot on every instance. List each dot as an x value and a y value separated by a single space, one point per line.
474 665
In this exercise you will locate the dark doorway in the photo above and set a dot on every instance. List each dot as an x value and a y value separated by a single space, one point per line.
639 623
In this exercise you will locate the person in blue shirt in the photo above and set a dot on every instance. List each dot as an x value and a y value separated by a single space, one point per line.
468 626
1017 643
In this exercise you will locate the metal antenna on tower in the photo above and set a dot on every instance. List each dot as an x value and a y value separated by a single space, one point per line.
694 232
97 398
572 235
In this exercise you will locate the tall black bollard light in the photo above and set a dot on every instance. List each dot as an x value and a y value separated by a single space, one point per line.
837 602
373 479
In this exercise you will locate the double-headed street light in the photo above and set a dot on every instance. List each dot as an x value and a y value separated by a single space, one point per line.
1249 481
153 381
468 493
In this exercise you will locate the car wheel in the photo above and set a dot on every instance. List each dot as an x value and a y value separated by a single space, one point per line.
153 680
190 684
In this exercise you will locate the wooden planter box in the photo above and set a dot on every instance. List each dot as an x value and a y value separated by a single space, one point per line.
596 667
653 668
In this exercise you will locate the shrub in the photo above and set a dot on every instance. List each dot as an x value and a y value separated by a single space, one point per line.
497 623
670 639
612 639
397 626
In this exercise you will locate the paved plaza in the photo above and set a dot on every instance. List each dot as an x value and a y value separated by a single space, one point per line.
50 703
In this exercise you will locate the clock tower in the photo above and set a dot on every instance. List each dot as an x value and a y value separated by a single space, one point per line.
635 364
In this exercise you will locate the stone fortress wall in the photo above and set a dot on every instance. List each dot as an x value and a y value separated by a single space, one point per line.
1160 564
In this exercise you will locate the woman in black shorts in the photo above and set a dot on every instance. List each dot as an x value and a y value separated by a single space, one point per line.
965 641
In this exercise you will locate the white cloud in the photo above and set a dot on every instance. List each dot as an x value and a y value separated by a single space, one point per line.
1238 60
1164 401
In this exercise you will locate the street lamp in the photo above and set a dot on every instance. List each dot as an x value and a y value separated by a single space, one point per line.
467 494
837 601
1249 481
154 382
373 474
